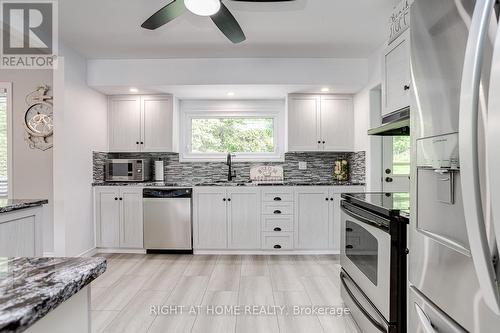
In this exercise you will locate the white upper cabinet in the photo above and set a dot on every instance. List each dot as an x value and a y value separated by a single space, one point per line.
396 75
337 123
320 123
124 119
157 120
141 123
303 123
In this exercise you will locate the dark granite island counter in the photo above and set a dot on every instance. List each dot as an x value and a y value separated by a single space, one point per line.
47 294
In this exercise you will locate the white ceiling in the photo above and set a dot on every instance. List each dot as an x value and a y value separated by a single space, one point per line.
303 28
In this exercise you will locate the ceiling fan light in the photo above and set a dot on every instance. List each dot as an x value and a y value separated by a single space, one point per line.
203 7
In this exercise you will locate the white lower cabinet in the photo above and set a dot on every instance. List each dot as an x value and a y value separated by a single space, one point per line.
243 210
312 218
118 216
209 218
227 218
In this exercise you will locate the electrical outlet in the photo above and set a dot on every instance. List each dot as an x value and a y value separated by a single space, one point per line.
302 165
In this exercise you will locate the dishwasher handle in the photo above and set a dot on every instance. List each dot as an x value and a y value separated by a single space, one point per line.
171 193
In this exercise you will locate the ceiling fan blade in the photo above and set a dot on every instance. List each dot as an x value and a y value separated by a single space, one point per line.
226 23
165 15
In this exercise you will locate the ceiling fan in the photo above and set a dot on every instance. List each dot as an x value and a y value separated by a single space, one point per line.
217 11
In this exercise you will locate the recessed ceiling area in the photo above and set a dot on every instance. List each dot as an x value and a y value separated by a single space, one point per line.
301 28
226 91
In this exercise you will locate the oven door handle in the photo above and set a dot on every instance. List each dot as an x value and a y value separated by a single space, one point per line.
368 316
361 218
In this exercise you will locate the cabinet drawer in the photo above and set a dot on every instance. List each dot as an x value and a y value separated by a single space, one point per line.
272 222
273 208
277 240
277 195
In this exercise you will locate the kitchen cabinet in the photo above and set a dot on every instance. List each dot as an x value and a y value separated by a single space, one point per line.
210 218
303 123
337 123
124 120
227 218
21 233
312 222
320 123
243 210
140 123
131 221
118 217
396 75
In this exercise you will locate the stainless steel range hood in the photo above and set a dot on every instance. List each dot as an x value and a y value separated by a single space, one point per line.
395 124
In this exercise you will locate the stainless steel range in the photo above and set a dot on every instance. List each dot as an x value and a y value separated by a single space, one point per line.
373 259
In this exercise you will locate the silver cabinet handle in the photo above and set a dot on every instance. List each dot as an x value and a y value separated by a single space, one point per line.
424 320
468 150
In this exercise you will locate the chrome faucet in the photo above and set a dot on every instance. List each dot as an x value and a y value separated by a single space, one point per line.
229 162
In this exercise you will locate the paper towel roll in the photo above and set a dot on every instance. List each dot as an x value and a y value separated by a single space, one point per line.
159 177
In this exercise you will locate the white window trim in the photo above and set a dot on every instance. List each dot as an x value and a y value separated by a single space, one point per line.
8 88
190 109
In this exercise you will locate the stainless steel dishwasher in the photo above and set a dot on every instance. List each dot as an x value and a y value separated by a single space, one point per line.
167 220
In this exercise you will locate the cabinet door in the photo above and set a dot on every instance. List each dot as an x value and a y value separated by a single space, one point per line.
337 123
210 228
396 93
311 218
303 123
124 117
157 121
107 210
244 226
131 221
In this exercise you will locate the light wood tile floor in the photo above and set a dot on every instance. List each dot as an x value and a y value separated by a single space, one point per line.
123 296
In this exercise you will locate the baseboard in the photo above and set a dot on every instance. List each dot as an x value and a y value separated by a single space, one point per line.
116 250
266 252
49 254
88 253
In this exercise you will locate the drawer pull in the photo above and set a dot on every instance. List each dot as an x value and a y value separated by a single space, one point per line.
348 229
277 199
349 246
277 211
277 229
277 246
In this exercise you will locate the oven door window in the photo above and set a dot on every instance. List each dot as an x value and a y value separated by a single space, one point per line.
121 169
362 250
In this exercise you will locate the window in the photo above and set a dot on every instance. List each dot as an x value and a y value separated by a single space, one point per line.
4 148
401 155
250 130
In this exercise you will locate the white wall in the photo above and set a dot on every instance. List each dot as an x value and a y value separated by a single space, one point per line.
31 168
366 116
343 73
81 119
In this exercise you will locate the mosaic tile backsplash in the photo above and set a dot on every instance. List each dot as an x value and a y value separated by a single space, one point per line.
319 167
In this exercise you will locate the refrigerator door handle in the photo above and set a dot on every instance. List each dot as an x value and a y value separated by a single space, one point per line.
468 147
493 136
424 320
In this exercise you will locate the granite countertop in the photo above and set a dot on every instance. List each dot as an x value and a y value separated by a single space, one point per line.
8 205
32 287
163 184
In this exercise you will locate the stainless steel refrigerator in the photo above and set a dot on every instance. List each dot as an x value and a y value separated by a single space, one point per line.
455 123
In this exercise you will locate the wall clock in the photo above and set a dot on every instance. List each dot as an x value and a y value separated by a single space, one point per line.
38 119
